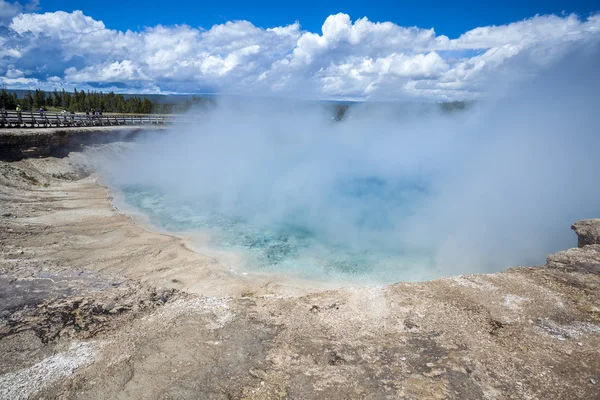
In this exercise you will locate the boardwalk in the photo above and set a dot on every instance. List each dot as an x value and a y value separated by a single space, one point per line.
29 119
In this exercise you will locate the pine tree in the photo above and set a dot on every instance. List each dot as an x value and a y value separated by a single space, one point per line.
28 101
56 99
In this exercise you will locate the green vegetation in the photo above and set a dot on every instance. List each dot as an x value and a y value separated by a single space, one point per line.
450 106
80 101
341 110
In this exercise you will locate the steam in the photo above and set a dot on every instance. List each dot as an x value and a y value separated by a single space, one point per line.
479 190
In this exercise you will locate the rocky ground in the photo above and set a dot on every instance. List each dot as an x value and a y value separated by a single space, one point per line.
93 306
19 143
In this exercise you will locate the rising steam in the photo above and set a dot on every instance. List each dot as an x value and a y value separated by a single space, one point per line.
494 186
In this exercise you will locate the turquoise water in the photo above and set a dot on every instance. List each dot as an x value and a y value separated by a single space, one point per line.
286 247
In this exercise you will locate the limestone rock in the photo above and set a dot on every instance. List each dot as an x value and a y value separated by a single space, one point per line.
583 259
588 231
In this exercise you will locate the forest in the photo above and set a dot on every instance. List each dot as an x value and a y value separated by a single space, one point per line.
81 101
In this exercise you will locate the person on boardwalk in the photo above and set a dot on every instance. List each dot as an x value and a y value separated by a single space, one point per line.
19 114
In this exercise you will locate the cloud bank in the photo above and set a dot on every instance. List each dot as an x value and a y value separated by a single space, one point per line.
358 59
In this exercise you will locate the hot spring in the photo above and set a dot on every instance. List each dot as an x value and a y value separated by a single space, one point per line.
391 192
291 244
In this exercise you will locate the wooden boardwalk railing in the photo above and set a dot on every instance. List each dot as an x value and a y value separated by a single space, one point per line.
32 119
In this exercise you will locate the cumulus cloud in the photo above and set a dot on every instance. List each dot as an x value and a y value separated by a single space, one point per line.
360 59
8 10
118 71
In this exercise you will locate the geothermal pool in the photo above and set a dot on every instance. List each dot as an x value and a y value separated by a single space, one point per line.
384 195
282 247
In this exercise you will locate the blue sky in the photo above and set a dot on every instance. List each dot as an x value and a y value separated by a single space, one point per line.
450 18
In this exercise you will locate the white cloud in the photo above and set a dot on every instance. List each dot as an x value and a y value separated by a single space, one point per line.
8 10
419 66
357 59
57 25
530 31
118 71
14 73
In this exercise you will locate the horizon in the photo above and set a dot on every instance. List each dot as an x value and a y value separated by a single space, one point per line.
21 92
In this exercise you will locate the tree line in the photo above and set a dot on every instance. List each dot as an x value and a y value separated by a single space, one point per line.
81 101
